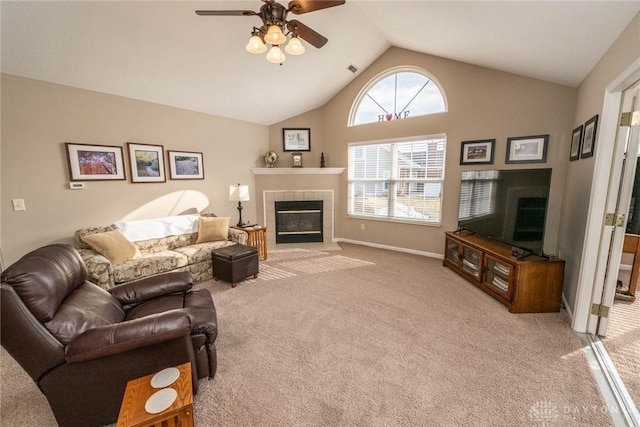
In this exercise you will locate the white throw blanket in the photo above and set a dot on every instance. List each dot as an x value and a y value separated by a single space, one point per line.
157 228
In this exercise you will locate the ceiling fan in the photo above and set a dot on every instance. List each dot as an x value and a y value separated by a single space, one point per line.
275 23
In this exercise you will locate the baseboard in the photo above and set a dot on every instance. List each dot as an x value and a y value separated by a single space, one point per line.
567 307
391 248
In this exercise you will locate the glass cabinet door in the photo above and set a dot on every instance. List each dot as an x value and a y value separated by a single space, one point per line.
499 277
471 260
453 252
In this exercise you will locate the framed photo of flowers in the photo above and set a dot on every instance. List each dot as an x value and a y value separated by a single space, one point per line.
185 165
88 162
146 162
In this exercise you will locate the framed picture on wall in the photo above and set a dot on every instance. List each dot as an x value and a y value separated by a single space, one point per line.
527 149
589 139
146 162
296 139
89 162
576 143
185 165
477 152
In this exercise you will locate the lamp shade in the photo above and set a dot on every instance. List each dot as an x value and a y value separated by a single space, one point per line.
294 47
238 193
275 55
256 45
274 35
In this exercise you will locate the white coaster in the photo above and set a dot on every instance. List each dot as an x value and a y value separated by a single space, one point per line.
165 378
160 400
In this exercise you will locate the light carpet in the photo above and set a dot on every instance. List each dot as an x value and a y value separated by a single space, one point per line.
374 338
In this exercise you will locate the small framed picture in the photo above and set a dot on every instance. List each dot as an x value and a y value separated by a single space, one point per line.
296 139
477 152
146 162
89 162
576 142
185 165
589 139
527 149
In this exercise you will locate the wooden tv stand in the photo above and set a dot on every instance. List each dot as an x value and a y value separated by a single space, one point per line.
528 285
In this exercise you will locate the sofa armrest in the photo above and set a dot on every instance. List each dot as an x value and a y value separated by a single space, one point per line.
238 236
99 268
152 287
121 337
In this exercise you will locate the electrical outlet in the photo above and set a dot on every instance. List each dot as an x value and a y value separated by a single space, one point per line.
18 204
362 227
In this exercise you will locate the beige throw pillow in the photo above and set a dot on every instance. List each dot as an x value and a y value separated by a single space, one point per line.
112 245
213 229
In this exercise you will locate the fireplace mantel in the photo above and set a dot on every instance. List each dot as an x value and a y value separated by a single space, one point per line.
297 171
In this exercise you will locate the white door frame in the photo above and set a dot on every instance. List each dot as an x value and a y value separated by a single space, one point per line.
594 258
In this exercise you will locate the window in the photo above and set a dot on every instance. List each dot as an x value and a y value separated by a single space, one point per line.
477 194
399 181
397 95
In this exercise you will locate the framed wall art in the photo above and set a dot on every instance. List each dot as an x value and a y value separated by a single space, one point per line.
477 152
185 165
589 139
298 139
146 162
576 142
89 162
527 149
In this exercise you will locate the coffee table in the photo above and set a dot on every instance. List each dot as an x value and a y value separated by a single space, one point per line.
179 414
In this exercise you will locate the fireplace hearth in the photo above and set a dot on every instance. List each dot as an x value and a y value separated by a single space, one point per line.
299 221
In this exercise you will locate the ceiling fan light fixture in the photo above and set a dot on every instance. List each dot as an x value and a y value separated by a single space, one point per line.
274 35
294 47
256 45
275 55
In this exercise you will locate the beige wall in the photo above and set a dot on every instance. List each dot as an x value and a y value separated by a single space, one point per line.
38 117
482 103
589 101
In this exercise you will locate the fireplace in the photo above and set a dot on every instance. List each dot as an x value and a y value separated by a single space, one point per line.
299 221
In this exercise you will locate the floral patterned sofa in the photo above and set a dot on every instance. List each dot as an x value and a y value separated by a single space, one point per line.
161 245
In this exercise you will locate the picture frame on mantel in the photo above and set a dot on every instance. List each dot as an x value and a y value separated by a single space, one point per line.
296 139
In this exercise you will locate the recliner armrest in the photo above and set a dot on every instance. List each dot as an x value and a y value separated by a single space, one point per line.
152 287
129 335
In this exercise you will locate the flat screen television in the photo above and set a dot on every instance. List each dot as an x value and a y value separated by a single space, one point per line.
508 205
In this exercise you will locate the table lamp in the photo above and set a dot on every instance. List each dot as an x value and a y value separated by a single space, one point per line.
239 193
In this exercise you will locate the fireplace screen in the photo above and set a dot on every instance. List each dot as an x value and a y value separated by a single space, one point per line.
299 221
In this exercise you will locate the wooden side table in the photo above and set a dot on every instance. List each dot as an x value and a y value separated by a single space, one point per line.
179 414
257 238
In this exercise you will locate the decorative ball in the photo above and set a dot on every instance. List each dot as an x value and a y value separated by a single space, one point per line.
271 159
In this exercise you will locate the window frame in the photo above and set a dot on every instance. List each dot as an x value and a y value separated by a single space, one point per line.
392 181
391 71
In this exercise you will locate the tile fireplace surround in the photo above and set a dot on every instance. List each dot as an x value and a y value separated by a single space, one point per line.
272 196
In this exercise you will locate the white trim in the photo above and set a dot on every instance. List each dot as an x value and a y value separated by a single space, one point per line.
391 248
297 171
587 280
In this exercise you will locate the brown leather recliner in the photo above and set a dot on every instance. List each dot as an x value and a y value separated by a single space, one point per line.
81 344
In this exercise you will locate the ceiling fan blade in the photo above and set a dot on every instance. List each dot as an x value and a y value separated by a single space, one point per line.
312 37
304 6
225 12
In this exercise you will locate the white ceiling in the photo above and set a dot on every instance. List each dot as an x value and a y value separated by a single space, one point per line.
163 52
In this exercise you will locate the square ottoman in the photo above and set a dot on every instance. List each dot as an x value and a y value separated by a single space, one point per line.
234 263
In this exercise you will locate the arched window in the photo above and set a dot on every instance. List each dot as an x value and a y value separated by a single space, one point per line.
397 94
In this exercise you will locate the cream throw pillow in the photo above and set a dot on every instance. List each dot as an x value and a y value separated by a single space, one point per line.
213 229
112 245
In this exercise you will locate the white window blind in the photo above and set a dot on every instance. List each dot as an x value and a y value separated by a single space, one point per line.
477 194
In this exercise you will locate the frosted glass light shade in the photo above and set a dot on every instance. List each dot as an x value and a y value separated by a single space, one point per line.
238 193
274 35
256 45
275 55
294 47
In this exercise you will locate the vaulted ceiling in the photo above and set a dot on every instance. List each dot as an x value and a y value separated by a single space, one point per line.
163 52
